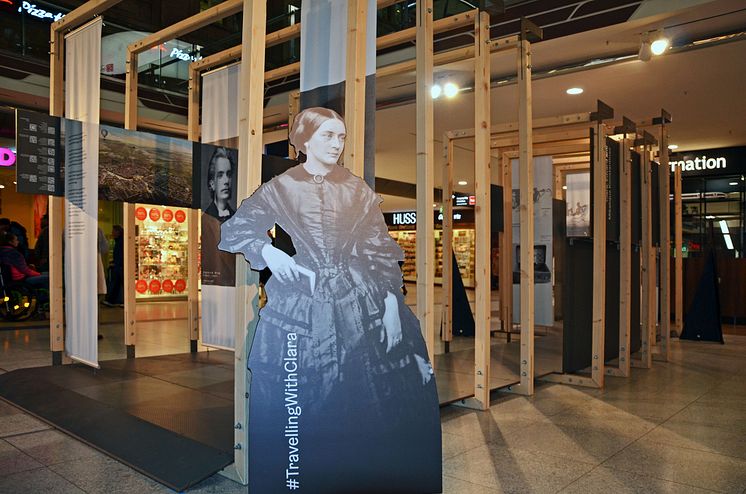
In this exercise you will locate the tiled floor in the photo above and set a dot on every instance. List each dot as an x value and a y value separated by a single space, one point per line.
679 427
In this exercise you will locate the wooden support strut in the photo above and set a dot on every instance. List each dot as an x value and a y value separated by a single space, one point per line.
678 253
354 150
664 175
193 134
447 241
425 246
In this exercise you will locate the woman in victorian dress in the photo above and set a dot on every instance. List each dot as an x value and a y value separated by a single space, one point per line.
342 394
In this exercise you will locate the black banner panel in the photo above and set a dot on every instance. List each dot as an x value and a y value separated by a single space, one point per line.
497 222
611 338
577 303
613 174
634 306
39 154
636 199
655 202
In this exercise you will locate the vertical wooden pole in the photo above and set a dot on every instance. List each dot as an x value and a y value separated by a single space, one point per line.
506 248
599 254
193 131
130 249
425 250
447 241
482 182
625 257
678 248
354 152
526 170
293 109
664 174
56 206
648 267
249 178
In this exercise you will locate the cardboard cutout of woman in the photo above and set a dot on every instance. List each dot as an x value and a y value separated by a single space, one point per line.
343 398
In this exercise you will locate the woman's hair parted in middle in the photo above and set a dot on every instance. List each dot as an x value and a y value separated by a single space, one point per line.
306 123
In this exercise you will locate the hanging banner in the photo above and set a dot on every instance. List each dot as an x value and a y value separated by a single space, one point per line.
322 65
82 101
543 255
215 176
578 196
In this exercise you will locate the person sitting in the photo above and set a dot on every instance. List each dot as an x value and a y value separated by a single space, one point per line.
19 270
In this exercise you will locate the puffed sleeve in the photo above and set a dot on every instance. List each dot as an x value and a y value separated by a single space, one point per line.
381 252
246 230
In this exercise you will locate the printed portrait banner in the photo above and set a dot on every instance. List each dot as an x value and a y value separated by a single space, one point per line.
82 104
578 199
543 242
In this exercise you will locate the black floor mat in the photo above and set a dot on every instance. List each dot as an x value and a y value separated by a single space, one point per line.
159 415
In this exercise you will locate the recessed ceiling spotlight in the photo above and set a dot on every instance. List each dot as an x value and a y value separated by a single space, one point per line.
732 183
575 90
564 187
2 186
659 46
450 90
462 182
435 91
673 147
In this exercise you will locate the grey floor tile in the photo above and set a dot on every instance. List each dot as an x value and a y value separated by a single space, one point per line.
510 470
455 445
101 474
700 437
217 484
39 480
621 482
20 423
453 485
727 417
687 466
13 460
604 417
51 446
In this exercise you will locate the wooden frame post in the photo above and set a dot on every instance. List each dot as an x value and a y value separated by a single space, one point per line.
664 176
599 254
447 243
506 248
425 246
293 109
647 256
526 208
128 210
482 182
629 130
193 134
678 253
354 151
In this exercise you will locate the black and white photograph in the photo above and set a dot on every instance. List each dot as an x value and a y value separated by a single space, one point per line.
341 379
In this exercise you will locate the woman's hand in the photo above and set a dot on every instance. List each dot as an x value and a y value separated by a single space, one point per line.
426 370
391 331
282 265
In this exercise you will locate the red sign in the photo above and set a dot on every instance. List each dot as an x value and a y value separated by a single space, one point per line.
155 286
180 285
180 216
472 200
168 215
140 213
168 286
141 286
155 214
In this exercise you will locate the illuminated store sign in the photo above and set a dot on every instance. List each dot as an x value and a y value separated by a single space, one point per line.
7 157
410 217
710 162
699 163
32 10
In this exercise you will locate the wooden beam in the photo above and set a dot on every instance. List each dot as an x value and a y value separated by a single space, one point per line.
193 128
188 25
664 176
56 206
441 58
678 253
249 178
447 241
526 171
441 25
648 265
293 110
130 250
565 121
425 246
625 256
506 247
354 150
482 183
130 91
599 255
87 11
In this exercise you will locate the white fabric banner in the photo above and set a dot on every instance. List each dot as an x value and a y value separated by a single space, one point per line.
220 91
82 104
543 255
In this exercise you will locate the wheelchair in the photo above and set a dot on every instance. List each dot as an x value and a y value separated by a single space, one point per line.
18 301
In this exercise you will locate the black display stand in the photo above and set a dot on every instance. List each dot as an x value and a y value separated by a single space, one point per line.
702 321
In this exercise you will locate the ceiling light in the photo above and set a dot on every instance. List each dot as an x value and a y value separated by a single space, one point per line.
564 187
724 227
575 90
673 147
645 52
462 182
2 186
659 46
450 90
710 217
732 183
435 91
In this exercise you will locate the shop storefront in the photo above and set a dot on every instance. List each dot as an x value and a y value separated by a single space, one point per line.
161 241
402 228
